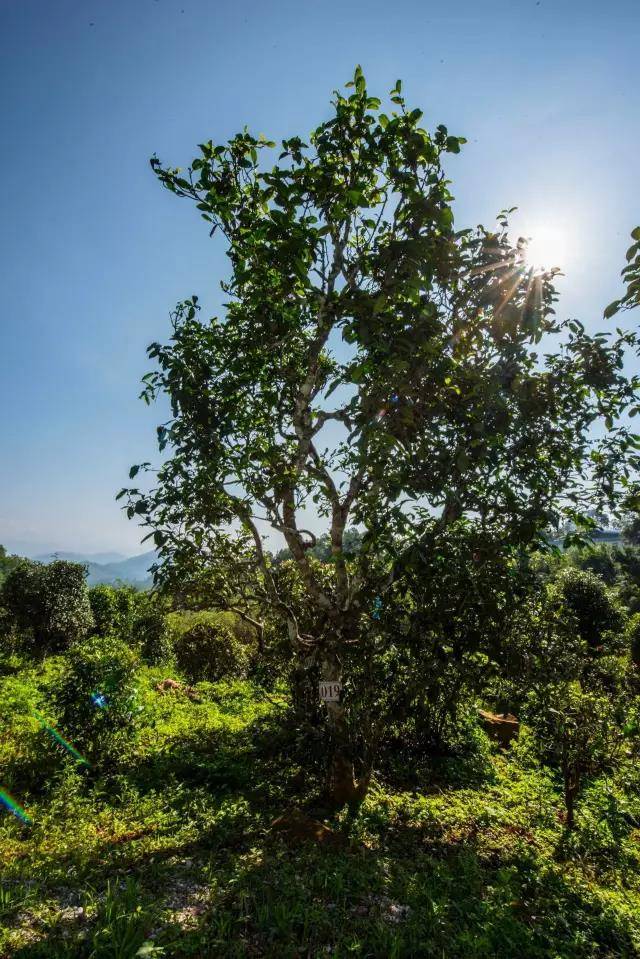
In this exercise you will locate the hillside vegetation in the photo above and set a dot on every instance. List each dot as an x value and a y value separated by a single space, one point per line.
171 844
183 823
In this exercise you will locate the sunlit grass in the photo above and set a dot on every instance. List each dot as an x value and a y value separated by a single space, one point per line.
171 846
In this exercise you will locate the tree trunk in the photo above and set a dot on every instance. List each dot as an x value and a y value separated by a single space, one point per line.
571 789
342 786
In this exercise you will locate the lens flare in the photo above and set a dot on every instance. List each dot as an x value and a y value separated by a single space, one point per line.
14 807
57 738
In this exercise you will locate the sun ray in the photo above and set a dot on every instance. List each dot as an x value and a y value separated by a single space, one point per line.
509 294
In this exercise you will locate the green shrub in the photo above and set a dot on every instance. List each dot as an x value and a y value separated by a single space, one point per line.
8 635
211 651
114 609
633 638
581 732
585 596
96 694
7 563
49 603
102 599
152 635
599 560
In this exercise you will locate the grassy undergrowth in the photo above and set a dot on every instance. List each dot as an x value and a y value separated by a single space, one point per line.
168 851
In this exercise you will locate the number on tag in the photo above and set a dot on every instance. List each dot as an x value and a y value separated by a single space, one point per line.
330 691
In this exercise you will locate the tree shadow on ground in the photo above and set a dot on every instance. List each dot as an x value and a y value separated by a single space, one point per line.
422 891
392 887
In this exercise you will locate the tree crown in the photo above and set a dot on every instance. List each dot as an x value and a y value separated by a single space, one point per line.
373 363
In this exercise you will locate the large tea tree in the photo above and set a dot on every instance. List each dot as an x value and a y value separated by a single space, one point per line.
373 364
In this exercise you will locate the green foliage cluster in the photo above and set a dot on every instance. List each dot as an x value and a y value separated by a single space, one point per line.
617 566
48 603
569 674
46 608
584 596
633 639
95 696
631 276
138 618
212 651
7 563
113 609
580 729
442 626
150 633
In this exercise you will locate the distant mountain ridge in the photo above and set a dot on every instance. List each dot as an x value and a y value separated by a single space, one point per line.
133 570
100 558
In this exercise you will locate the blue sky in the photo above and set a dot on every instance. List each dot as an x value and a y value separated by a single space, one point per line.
94 254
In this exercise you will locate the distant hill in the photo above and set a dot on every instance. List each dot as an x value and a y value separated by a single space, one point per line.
611 537
608 536
134 570
100 558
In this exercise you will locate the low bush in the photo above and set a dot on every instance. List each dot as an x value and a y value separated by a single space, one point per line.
633 639
96 695
581 732
212 651
8 634
114 609
585 596
151 634
47 603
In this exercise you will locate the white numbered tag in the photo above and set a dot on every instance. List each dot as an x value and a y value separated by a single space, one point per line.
330 691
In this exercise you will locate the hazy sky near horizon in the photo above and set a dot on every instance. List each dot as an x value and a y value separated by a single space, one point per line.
94 253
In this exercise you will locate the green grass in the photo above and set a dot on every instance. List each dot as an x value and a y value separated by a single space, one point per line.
168 849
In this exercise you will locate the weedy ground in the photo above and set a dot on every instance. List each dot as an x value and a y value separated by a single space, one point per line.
167 850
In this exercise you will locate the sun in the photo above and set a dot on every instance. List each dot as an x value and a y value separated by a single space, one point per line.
547 247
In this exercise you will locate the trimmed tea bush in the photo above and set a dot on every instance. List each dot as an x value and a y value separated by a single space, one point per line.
96 696
113 609
48 603
585 596
211 651
152 636
579 732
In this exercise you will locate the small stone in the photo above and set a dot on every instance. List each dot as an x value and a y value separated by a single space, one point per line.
71 912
